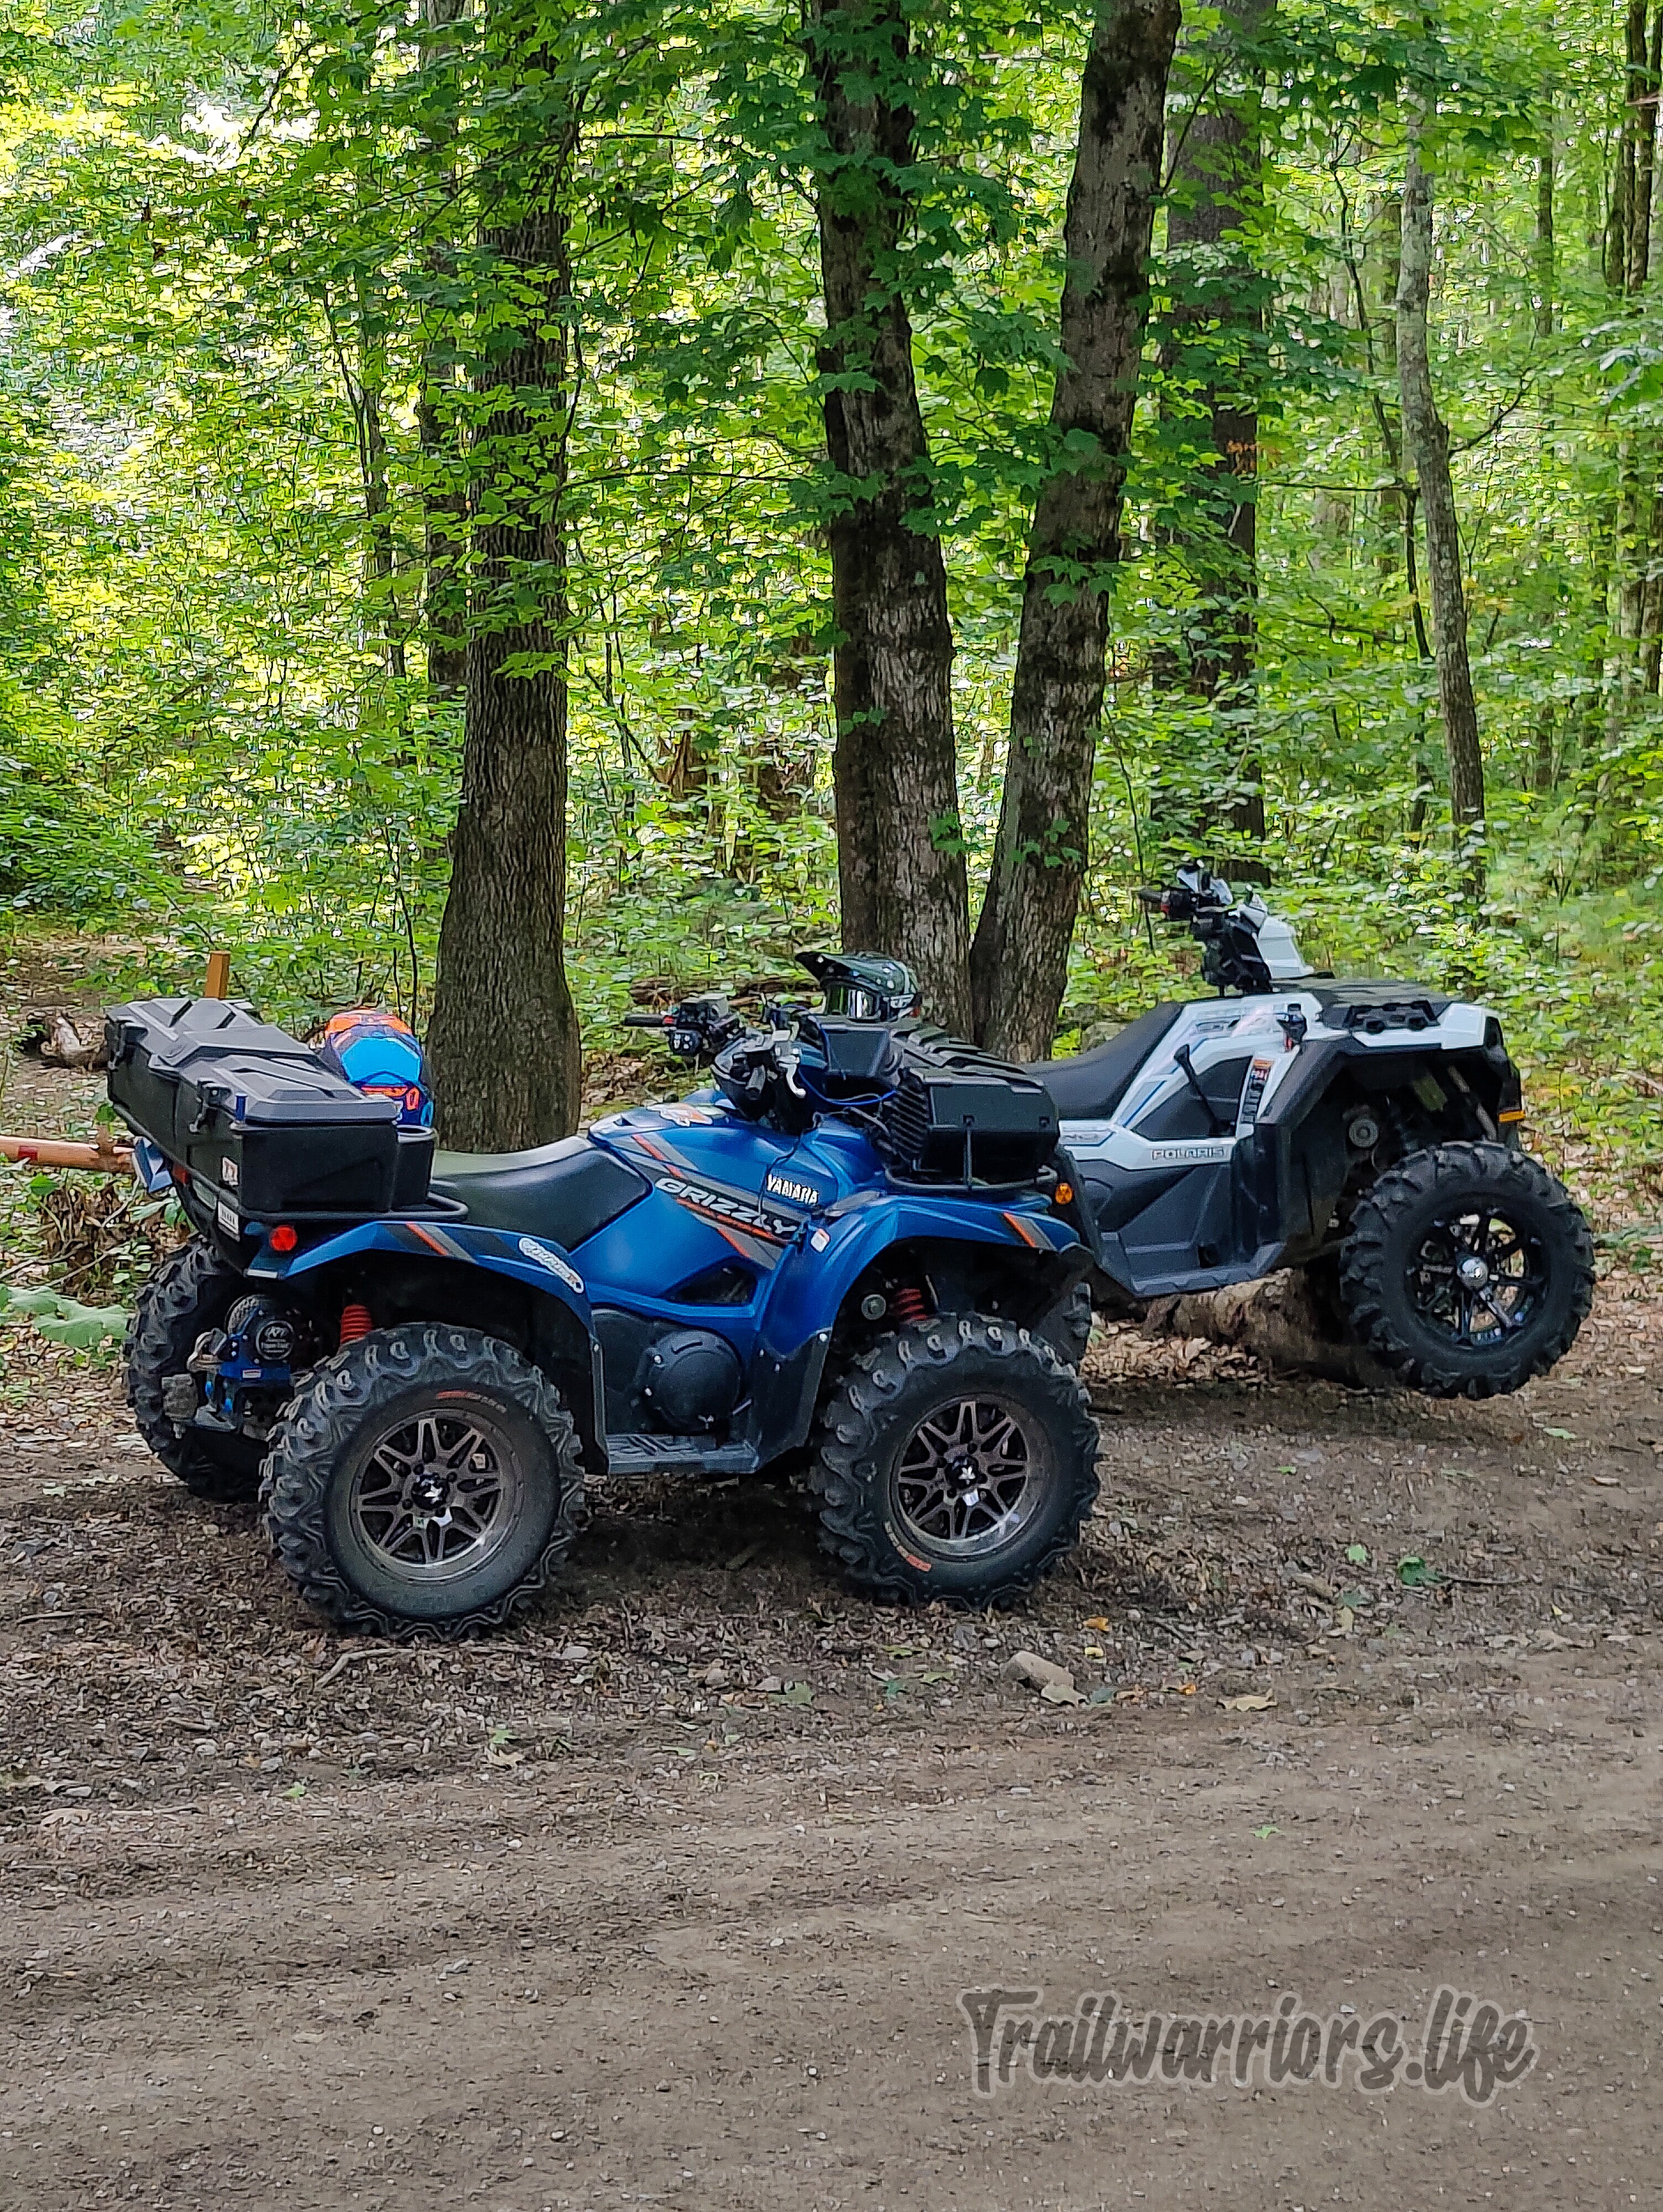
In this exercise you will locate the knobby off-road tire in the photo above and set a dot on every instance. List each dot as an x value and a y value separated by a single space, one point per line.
425 1480
1469 1269
193 1290
957 1460
1068 1331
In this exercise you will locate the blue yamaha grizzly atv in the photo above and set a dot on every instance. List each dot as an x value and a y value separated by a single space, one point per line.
852 1258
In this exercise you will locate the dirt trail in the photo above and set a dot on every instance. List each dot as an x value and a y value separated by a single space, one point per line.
669 1896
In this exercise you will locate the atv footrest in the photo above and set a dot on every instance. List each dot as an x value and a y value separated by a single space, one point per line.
640 1453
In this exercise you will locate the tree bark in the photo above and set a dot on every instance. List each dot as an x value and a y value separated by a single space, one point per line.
1215 165
444 490
504 1035
1544 757
901 846
363 375
1636 453
1547 256
380 554
1645 58
1426 438
1019 963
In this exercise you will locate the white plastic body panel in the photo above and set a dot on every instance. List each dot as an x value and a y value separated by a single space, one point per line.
1220 1030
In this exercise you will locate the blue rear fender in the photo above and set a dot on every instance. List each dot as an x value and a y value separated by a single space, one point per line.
536 1262
422 1270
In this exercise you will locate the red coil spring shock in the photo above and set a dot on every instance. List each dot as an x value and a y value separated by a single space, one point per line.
909 1305
355 1322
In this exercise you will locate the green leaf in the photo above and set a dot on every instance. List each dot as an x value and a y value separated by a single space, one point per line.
83 1328
1357 1555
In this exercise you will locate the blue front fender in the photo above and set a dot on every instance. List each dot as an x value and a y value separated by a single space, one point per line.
536 1262
811 1286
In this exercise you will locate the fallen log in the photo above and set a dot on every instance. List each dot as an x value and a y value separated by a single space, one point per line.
60 1038
59 1152
1281 1319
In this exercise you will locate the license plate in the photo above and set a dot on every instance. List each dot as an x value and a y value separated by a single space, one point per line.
228 1219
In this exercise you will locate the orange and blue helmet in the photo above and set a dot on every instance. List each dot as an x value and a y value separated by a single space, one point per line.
380 1054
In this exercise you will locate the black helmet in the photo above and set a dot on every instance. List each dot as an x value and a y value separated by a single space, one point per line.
862 987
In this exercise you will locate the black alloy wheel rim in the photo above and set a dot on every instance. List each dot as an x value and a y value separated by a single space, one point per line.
1478 1276
969 1479
436 1496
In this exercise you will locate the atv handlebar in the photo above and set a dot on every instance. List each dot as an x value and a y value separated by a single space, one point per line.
1229 931
696 1029
1195 894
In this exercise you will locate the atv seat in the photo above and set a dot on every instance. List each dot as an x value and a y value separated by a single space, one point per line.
1087 1086
565 1191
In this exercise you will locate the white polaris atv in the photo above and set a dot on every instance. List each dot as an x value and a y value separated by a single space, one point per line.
1368 1131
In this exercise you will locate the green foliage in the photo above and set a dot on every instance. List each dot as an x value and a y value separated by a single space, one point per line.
247 291
83 1328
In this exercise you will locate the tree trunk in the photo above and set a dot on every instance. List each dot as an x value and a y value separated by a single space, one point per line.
1546 271
1636 460
901 846
380 552
1216 173
1377 301
504 1035
444 490
1645 58
445 527
1602 537
360 358
1019 964
1651 620
1426 440
1544 757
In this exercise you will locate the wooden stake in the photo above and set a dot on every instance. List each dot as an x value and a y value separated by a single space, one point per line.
218 983
50 1152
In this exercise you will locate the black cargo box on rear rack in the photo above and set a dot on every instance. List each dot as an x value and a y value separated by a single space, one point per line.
265 1131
